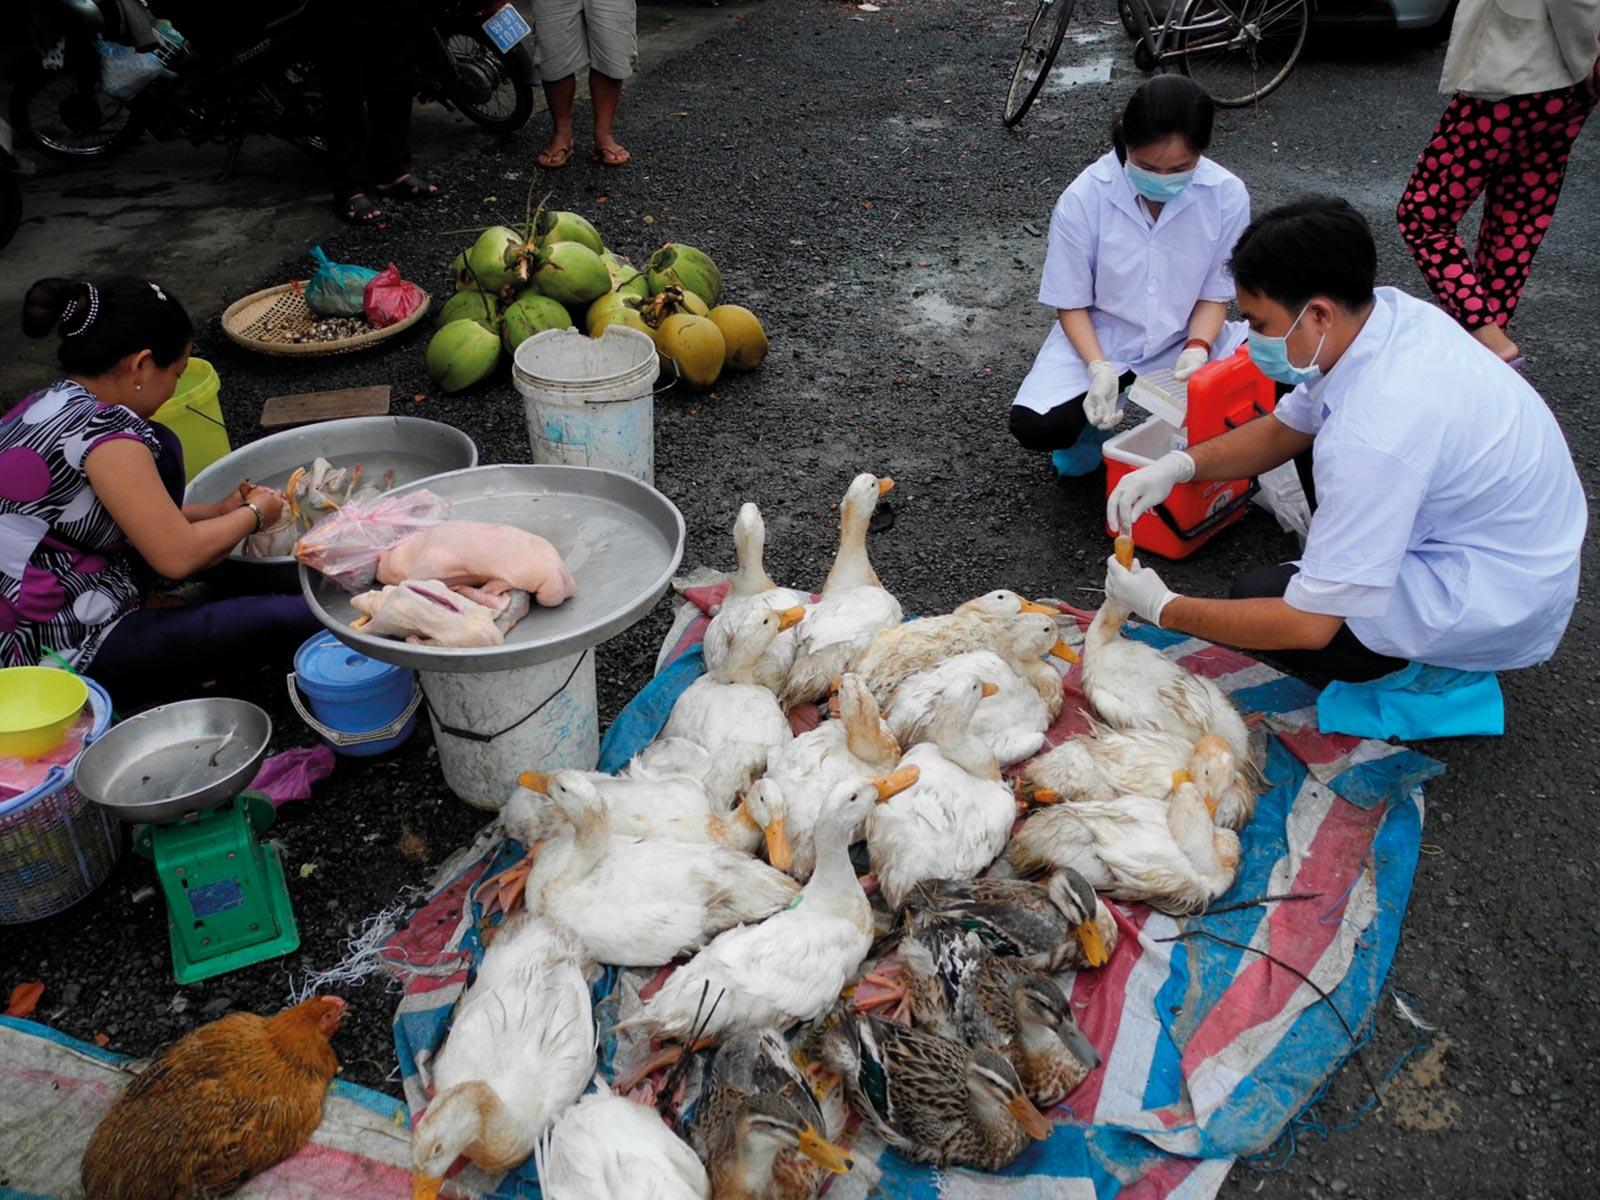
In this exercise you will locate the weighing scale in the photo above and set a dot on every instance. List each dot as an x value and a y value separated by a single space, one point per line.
180 772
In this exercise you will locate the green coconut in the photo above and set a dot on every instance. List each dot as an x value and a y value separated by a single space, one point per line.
531 314
461 354
682 266
493 258
471 306
553 227
625 277
615 307
460 273
571 273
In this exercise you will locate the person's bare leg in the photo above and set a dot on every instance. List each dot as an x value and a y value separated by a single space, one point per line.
1494 337
606 93
558 94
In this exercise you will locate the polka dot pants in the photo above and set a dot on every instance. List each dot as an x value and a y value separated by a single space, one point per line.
1514 152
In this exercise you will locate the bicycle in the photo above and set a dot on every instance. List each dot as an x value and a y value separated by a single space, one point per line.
1238 50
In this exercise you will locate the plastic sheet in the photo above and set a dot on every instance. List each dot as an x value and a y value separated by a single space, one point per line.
346 546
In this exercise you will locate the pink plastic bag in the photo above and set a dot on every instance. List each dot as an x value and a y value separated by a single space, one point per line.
18 775
289 775
390 299
346 546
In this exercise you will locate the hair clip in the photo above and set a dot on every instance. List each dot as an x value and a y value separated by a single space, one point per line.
156 288
90 314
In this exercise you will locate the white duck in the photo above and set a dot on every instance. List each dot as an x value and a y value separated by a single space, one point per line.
954 821
1106 763
1022 639
520 1050
607 1146
1166 852
751 585
802 775
793 966
727 713
1011 722
636 903
854 604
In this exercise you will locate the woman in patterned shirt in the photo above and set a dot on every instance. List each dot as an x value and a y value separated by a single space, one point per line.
91 507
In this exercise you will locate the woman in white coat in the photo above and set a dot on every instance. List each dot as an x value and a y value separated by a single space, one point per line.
1136 270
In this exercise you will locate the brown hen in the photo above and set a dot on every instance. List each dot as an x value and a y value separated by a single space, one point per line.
217 1107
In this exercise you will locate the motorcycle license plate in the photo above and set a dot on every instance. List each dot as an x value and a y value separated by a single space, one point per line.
506 29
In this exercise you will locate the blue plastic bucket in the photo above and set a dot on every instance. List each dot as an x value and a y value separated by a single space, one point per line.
359 706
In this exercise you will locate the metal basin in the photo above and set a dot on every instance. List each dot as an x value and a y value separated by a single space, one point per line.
621 539
174 760
410 446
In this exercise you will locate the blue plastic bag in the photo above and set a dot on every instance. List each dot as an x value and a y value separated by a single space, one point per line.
1417 701
337 289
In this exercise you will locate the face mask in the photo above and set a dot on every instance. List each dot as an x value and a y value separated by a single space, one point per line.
1157 189
1271 356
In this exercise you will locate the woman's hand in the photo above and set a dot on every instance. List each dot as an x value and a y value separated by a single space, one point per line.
269 502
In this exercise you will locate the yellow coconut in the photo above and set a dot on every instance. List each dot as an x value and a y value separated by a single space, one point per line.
747 341
695 344
621 314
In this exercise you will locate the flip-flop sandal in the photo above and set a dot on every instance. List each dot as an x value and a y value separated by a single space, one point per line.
358 209
557 158
408 187
610 158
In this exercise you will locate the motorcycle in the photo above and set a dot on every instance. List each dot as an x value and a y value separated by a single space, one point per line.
229 82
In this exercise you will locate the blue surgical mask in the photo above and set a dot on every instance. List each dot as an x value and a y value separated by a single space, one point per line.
1158 189
1271 356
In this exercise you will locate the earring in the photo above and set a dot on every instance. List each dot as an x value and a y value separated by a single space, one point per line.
138 387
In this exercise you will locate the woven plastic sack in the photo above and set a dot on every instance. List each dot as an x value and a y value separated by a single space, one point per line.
346 546
390 299
337 289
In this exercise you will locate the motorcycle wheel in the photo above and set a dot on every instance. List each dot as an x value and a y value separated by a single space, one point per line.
10 204
51 114
487 90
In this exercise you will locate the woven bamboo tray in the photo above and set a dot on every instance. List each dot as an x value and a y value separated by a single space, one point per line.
267 322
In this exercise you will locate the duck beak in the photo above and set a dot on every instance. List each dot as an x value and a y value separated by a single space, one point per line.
1076 1041
1064 652
1034 1123
535 781
1124 551
895 782
826 1154
1094 946
990 689
1179 778
1211 805
425 1187
885 486
1046 796
790 617
779 853
1028 606
362 620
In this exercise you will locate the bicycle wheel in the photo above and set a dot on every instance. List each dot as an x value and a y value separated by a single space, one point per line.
1038 54
1240 50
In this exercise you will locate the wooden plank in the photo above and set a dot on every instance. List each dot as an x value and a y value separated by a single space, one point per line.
281 412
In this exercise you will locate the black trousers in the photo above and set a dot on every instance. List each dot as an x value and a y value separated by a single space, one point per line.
1057 429
1345 657
368 77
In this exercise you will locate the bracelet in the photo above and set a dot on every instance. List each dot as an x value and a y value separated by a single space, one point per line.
255 509
1198 341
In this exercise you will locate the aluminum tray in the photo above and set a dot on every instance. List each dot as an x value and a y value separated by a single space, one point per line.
621 539
413 447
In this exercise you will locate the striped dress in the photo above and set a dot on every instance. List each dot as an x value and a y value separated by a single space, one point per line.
66 571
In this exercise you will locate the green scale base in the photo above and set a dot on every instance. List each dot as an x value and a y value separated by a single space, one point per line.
227 904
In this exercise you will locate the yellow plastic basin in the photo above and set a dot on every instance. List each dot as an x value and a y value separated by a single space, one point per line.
37 705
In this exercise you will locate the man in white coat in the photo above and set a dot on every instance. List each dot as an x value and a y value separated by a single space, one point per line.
1449 515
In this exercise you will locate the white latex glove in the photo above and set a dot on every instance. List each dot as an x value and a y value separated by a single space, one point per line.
1140 491
1139 590
1190 361
1100 401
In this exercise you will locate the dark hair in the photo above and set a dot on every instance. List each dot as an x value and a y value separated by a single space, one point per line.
1313 246
1166 105
102 323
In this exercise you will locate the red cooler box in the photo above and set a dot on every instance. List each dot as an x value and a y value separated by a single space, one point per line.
1220 396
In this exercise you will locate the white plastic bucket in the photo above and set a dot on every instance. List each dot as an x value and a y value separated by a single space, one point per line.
491 727
589 400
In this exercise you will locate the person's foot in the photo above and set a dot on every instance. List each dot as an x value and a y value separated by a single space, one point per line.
611 153
407 187
358 209
1494 337
556 152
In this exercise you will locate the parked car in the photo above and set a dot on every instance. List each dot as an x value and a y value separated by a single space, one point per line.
1427 17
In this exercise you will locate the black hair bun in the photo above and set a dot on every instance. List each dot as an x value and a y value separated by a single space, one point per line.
46 304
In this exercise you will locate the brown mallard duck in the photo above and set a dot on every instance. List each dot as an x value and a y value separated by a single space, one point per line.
759 1127
932 1098
1051 926
959 990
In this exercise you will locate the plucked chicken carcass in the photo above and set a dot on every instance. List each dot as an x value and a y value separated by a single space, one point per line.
217 1107
429 613
492 559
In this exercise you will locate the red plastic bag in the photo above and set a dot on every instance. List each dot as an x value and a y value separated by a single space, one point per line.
389 299
347 545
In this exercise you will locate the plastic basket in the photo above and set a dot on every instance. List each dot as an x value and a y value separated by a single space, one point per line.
55 846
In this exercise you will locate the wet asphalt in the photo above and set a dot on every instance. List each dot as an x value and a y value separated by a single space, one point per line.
849 173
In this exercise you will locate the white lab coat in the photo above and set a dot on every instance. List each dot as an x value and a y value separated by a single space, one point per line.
1139 278
1449 515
